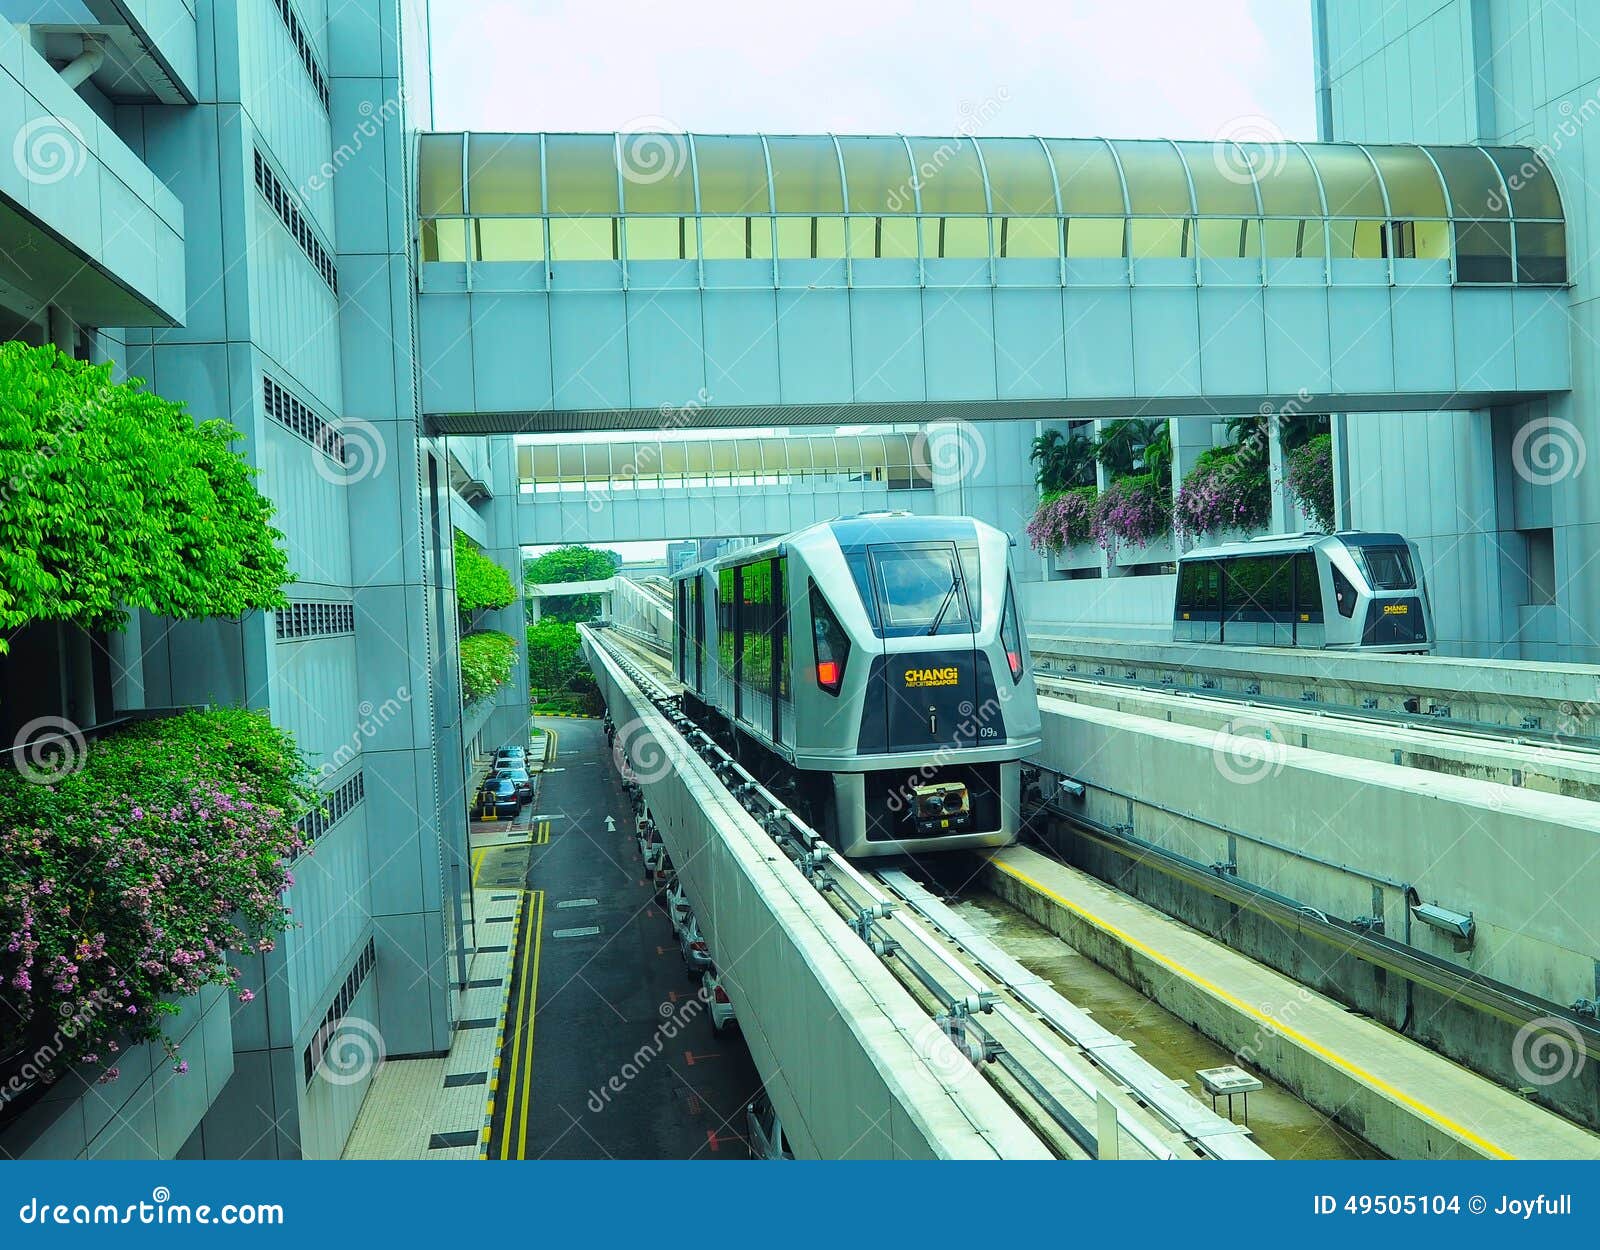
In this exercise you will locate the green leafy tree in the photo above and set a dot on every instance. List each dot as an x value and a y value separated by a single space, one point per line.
572 563
1064 461
480 582
112 497
555 656
1130 447
487 657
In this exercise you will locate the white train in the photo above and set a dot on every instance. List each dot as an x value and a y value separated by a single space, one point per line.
1349 591
873 670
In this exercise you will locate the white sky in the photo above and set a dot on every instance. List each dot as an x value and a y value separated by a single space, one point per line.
1181 69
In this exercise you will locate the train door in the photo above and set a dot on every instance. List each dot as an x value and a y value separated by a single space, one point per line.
930 661
1309 629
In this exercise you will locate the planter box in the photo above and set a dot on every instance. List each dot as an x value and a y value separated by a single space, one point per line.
1160 551
1083 556
1218 537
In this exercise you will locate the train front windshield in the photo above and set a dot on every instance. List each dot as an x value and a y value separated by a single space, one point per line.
1386 568
921 589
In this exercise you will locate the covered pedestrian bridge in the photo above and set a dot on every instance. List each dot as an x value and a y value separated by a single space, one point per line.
586 281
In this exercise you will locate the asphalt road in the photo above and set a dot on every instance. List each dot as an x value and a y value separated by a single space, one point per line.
608 1052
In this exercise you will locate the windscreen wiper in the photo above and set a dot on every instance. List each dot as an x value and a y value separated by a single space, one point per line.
944 606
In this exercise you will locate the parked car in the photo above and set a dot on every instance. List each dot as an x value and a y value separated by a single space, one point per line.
678 906
503 794
692 946
519 777
716 997
764 1131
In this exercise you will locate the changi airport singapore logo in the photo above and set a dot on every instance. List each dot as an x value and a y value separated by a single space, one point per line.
49 149
921 678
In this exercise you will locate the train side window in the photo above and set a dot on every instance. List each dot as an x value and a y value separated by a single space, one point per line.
1307 588
1188 587
1247 584
1280 587
1344 594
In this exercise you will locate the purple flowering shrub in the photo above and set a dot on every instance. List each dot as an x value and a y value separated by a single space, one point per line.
124 885
1063 519
1133 510
1309 477
1223 491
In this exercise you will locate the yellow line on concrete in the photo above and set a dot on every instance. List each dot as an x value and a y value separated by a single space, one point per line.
516 1043
1331 1056
533 1014
553 744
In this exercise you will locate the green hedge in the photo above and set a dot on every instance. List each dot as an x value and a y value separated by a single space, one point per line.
112 497
480 582
487 657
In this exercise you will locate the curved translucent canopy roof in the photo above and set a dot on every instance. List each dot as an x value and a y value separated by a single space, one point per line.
582 175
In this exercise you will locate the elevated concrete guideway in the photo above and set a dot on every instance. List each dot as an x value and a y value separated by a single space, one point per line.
800 280
853 1066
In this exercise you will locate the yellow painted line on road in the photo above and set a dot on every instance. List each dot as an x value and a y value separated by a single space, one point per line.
533 1011
543 836
1266 1018
516 1035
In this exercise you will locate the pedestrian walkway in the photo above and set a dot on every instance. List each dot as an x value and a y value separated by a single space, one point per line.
438 1108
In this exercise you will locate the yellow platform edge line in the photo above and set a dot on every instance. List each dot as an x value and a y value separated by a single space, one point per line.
1333 1057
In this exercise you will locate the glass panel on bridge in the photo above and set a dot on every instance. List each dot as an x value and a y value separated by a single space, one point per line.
1088 176
1528 178
950 176
582 174
439 176
657 173
733 174
1020 181
666 197
805 174
1157 182
1473 180
1348 180
877 171
503 176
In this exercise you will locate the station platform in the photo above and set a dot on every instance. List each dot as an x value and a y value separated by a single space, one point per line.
1405 1099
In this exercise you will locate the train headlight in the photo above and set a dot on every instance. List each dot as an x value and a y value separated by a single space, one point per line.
830 644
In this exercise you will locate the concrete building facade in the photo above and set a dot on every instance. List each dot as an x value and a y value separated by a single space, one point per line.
215 199
1500 499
